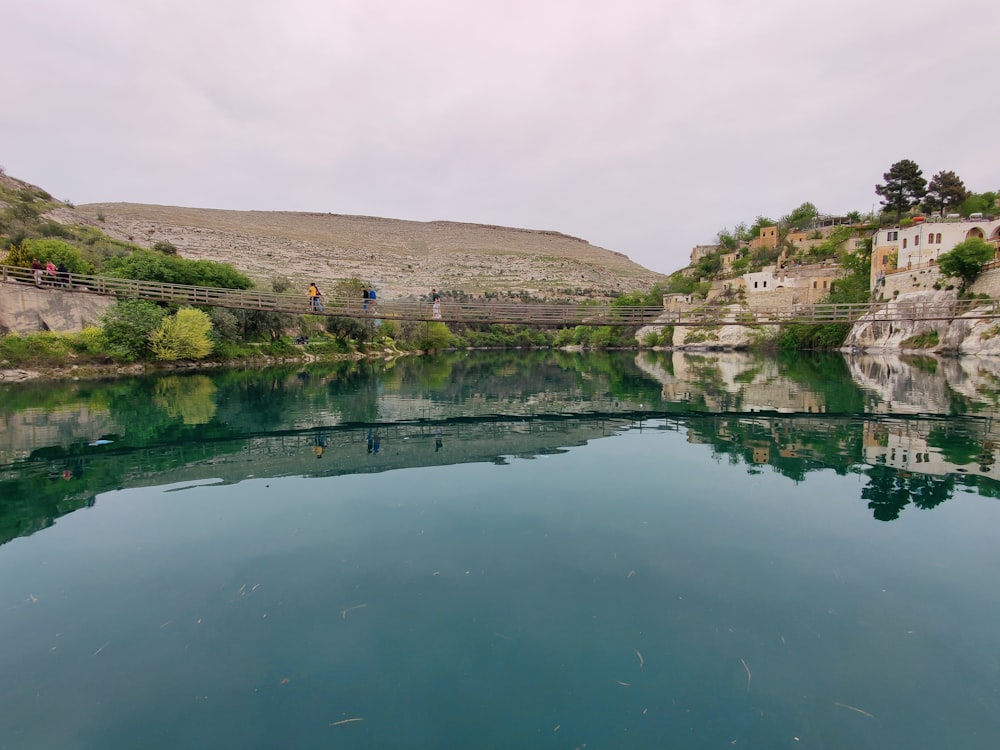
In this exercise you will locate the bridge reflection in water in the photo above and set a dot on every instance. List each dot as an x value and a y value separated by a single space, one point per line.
901 464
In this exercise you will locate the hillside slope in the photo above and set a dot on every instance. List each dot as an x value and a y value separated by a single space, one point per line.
401 258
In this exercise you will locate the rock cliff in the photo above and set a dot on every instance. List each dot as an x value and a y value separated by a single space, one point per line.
888 330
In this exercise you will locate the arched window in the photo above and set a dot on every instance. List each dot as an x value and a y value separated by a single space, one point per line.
938 240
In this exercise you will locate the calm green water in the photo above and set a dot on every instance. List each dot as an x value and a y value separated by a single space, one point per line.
505 551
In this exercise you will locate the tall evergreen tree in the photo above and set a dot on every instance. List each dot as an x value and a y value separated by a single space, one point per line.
946 190
904 187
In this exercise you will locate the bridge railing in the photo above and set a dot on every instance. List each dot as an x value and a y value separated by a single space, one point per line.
485 312
496 312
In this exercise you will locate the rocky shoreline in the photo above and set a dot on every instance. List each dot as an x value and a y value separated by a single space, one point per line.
886 331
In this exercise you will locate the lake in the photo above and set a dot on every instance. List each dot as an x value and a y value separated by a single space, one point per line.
505 550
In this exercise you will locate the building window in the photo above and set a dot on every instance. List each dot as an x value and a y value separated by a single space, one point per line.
814 284
824 284
938 241
755 285
916 240
892 236
765 285
904 243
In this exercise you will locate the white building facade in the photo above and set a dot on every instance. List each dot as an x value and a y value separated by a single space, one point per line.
921 244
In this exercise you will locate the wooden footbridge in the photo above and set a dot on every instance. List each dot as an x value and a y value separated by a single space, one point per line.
486 312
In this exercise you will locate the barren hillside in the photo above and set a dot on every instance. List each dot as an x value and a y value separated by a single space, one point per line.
401 258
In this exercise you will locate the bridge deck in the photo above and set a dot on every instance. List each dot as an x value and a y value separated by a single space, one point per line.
484 313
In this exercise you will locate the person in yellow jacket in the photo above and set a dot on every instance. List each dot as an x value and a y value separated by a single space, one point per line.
314 298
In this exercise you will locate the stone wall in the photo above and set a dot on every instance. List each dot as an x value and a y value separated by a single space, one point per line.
914 280
923 280
25 308
988 283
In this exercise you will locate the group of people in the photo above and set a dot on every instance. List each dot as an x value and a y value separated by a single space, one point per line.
56 274
368 299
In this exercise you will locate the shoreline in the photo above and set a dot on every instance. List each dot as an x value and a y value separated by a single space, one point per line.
137 369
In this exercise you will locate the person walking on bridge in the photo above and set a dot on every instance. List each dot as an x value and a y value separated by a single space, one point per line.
314 295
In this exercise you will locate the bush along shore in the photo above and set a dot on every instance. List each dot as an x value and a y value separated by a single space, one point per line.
136 337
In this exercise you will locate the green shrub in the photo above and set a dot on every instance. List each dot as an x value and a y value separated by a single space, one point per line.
920 341
89 341
127 327
436 335
145 265
43 348
47 250
184 335
326 345
280 347
167 248
225 324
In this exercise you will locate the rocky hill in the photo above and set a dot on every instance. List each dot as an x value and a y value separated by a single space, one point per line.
401 258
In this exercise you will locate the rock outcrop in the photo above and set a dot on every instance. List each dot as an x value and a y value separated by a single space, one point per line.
889 330
725 337
25 308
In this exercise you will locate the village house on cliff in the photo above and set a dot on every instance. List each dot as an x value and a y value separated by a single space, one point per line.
917 247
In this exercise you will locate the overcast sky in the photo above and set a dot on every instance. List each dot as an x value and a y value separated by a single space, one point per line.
641 126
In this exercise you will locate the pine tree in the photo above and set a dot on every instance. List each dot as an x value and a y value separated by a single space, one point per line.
946 190
904 187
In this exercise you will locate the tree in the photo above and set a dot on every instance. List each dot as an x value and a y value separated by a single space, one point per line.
727 239
145 265
127 327
978 203
945 190
802 217
56 251
904 187
965 261
182 336
759 223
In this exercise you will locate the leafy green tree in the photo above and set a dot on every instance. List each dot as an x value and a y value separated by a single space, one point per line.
127 327
727 239
978 203
802 217
903 188
435 336
145 265
708 265
46 250
182 336
945 190
759 223
965 261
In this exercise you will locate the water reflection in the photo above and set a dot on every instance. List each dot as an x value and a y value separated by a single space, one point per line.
916 430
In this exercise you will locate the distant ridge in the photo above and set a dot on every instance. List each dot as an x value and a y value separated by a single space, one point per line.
402 257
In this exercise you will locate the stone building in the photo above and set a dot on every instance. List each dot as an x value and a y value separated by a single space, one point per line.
915 247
